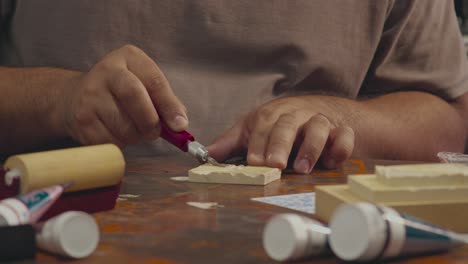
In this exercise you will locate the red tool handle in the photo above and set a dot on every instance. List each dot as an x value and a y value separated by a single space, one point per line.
178 139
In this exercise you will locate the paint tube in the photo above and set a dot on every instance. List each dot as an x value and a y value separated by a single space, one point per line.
291 237
368 232
30 207
72 234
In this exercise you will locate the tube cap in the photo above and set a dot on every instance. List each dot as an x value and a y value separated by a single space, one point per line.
358 232
71 234
14 212
291 236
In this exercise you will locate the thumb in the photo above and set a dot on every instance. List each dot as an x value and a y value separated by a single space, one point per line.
228 144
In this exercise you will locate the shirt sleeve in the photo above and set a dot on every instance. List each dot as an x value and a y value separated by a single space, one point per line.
421 49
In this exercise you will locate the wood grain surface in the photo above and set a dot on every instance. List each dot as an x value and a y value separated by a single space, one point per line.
157 226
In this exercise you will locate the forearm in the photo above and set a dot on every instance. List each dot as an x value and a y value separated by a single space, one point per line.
28 100
403 125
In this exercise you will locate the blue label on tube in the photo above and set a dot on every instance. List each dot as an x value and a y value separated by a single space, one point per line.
35 200
423 234
423 237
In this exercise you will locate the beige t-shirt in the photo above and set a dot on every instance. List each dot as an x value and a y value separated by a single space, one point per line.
224 57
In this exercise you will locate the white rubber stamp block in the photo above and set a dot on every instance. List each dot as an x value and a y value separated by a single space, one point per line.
232 174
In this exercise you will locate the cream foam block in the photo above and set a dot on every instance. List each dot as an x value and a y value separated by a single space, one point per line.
436 174
369 188
232 174
88 167
449 214
437 193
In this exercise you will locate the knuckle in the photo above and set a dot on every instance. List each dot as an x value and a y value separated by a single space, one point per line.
259 133
319 126
126 88
83 117
287 122
322 120
348 132
149 125
344 143
130 49
126 92
265 114
157 82
88 89
103 66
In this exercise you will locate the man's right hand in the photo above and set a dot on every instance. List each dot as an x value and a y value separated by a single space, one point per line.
120 100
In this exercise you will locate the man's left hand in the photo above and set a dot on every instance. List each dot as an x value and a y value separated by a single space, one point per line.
312 123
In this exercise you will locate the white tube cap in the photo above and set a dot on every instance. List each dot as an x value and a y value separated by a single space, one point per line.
358 232
291 236
71 234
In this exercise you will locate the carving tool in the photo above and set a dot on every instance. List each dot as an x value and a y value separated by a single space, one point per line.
187 143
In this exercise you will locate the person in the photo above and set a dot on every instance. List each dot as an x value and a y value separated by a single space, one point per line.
324 79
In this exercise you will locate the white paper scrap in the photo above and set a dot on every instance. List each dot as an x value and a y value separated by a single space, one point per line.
304 202
125 196
179 178
204 205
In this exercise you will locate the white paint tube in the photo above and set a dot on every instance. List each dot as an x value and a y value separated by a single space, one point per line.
368 232
71 234
291 237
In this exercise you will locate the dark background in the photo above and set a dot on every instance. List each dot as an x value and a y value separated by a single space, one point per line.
461 8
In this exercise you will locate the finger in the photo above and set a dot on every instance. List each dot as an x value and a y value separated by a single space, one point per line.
132 95
340 149
228 144
169 107
263 121
281 140
97 133
117 121
316 132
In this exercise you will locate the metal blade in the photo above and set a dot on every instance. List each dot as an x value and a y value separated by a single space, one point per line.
212 161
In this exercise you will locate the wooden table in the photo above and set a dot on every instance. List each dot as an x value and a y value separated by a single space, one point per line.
159 227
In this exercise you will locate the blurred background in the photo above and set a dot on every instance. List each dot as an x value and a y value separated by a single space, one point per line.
461 8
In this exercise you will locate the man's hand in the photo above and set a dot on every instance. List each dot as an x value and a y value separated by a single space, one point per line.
116 101
269 133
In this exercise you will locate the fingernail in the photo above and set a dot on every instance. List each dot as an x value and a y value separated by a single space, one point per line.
180 121
255 158
303 166
276 160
